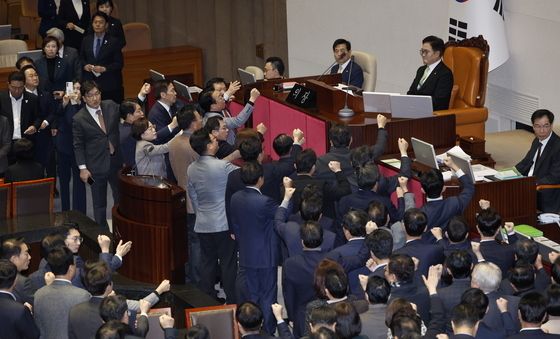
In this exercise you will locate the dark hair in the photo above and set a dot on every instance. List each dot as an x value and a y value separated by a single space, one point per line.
476 298
251 172
354 221
377 290
16 76
541 113
337 284
185 116
323 333
199 141
114 329
213 123
250 149
8 273
48 39
402 266
311 234
23 149
97 277
312 191
405 322
367 176
249 315
378 213
113 307
553 295
380 243
522 276
22 60
432 183
198 331
103 2
282 144
205 99
324 315
210 83
459 263
51 241
87 86
276 63
138 128
415 222
323 268
160 86
340 135
526 250
360 156
11 247
464 315
306 160
348 323
127 107
488 222
341 41
457 229
60 259
311 209
99 14
532 307
26 67
555 271
436 43
394 306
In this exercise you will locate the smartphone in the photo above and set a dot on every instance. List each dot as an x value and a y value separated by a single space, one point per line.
90 181
69 87
504 234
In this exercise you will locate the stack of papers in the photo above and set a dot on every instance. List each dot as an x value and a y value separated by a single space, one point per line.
393 162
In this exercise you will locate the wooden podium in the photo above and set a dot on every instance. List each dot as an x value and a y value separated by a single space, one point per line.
152 214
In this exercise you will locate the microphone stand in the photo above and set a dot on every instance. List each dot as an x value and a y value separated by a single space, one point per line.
346 111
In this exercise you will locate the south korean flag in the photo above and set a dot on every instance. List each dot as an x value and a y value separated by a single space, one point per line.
470 18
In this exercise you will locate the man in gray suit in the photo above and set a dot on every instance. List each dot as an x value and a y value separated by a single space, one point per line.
53 302
96 147
17 252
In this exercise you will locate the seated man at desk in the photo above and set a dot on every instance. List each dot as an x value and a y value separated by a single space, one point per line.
342 50
273 68
434 78
543 160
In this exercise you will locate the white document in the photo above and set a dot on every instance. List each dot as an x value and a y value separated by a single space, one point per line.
79 29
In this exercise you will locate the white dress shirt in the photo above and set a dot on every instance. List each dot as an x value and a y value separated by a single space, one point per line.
16 113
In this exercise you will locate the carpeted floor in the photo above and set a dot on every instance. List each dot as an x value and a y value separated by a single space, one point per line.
508 148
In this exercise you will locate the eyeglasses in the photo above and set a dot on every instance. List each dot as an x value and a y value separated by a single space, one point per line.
424 52
92 95
76 239
545 126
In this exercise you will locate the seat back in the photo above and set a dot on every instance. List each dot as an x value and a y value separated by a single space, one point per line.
468 60
29 8
368 62
138 36
12 46
5 201
219 320
32 197
155 331
257 71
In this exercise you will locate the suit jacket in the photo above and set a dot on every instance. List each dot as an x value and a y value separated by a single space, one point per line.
547 171
47 12
24 170
253 225
72 57
440 211
351 248
283 332
536 334
110 57
502 255
297 286
52 307
354 281
451 296
17 321
361 200
160 118
495 320
91 144
438 85
342 155
6 134
357 76
373 322
29 112
415 293
23 290
114 29
427 254
84 319
181 155
127 144
64 138
63 72
66 14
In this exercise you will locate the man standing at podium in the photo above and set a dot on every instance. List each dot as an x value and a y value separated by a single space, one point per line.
543 160
342 50
434 78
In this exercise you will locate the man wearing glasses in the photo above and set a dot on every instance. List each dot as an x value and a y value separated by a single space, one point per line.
543 160
96 146
434 78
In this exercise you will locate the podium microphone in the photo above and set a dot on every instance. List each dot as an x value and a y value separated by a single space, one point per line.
346 111
147 152
326 70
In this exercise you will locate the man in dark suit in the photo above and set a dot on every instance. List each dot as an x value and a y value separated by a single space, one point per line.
532 310
434 78
342 50
17 321
102 60
17 252
71 14
163 112
543 160
340 139
115 307
21 108
354 228
298 272
96 147
252 222
493 248
249 319
464 321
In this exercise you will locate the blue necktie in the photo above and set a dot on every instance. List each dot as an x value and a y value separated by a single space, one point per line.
97 47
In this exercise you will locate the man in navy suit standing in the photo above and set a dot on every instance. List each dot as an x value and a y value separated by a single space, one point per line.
434 78
342 50
252 216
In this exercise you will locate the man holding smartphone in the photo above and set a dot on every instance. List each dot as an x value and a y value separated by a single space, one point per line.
96 147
